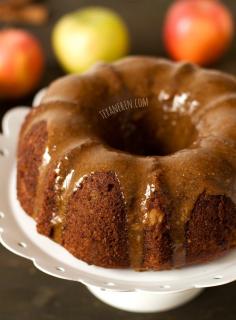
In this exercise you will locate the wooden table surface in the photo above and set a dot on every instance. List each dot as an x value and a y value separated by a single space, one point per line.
28 294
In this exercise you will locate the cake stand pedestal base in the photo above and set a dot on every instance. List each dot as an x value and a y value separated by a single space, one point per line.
144 301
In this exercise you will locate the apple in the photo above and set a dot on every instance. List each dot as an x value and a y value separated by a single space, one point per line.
87 36
21 63
198 31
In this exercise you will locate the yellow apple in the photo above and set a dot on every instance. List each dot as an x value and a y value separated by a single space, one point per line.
87 36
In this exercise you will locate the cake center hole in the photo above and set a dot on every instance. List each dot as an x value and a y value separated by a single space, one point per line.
150 131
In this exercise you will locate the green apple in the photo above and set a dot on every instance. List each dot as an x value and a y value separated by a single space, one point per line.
87 36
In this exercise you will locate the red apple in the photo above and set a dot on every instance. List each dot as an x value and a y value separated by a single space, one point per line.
21 63
199 31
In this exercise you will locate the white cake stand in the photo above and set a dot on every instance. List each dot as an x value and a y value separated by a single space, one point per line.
124 289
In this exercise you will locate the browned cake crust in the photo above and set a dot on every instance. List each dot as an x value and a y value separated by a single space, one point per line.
217 217
29 160
133 164
96 222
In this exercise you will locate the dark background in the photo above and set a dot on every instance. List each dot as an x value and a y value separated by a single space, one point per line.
28 294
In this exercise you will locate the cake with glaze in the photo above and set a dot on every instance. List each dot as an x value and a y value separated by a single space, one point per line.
132 164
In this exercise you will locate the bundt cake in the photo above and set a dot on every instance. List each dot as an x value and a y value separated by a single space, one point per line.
133 164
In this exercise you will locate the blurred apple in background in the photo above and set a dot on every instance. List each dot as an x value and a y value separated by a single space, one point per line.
21 63
89 35
198 31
